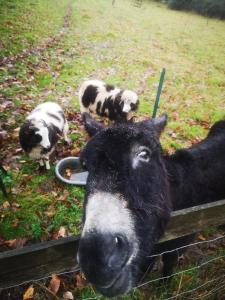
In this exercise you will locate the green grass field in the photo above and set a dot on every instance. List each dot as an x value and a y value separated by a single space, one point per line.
122 45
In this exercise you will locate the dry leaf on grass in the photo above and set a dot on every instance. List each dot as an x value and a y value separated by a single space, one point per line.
68 173
68 296
5 204
16 243
201 237
80 282
15 223
54 284
29 293
62 232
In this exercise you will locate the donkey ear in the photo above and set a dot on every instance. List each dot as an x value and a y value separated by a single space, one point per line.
91 126
160 123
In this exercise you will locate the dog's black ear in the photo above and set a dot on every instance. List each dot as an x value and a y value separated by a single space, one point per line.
91 126
28 128
32 130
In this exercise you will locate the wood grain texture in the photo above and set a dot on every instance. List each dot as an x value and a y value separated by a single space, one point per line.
43 259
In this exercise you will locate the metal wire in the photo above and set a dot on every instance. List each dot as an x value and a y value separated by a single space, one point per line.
211 292
180 272
153 280
189 245
195 289
39 279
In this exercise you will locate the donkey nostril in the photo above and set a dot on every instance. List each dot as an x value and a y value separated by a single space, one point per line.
119 241
102 256
119 252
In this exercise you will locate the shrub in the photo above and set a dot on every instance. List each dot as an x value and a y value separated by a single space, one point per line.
210 8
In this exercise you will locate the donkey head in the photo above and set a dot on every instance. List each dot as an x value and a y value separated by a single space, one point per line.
126 205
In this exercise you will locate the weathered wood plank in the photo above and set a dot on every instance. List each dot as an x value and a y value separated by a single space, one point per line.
37 261
42 259
194 219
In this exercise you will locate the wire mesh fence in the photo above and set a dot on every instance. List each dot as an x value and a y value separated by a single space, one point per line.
199 274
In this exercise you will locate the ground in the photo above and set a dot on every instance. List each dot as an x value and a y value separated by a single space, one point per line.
48 48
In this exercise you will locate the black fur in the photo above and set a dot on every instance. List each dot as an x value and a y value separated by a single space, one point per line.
114 108
167 182
198 172
91 126
27 137
110 106
109 87
54 116
134 107
90 95
63 116
98 109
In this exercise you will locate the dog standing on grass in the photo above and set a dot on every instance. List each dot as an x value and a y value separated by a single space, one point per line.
97 97
41 131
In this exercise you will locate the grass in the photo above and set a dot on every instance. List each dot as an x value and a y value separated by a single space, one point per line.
26 23
122 45
40 207
131 46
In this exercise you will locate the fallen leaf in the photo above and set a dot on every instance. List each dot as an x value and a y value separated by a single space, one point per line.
15 223
6 204
62 231
14 204
1 241
201 237
18 150
3 135
68 295
68 173
75 152
50 212
80 282
54 284
63 196
186 278
16 243
29 293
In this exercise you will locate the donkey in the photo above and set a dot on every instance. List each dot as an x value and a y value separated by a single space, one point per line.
132 187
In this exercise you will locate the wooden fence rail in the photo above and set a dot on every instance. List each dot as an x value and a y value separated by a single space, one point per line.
43 259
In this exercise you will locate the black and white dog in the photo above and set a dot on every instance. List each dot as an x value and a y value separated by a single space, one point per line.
97 97
41 131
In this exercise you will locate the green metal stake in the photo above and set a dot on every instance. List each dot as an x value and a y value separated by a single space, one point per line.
158 92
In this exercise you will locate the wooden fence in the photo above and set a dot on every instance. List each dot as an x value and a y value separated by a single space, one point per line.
43 259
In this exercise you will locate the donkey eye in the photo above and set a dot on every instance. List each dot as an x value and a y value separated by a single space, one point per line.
140 154
144 155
